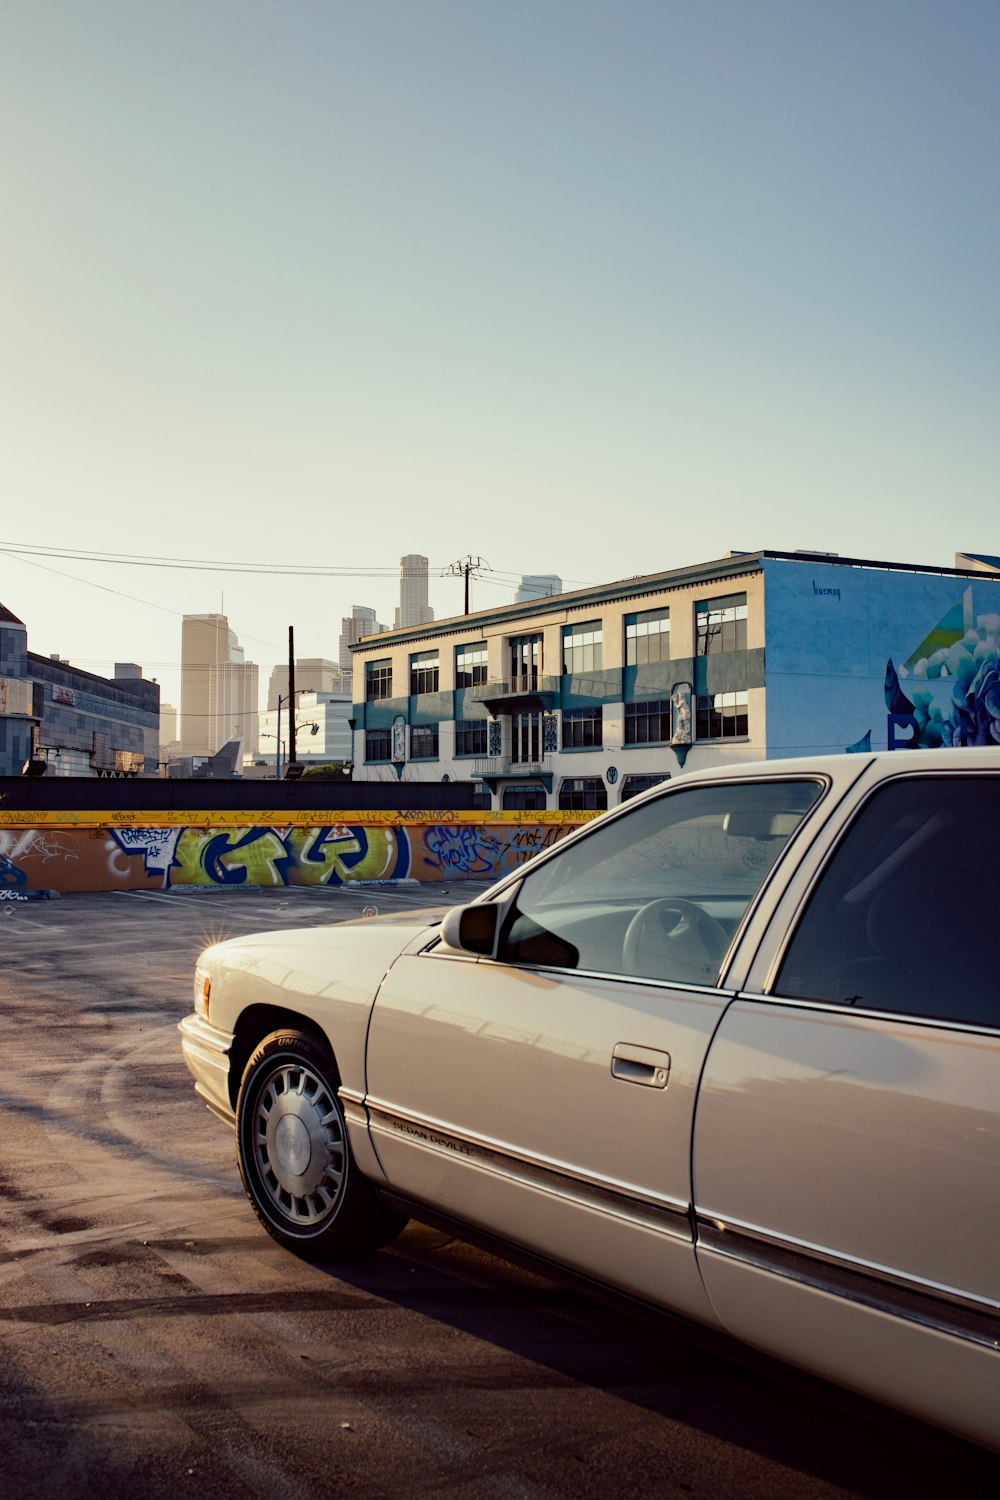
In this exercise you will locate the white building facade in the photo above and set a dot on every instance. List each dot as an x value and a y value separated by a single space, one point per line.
329 741
581 700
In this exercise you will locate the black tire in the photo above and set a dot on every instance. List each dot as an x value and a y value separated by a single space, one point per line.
295 1157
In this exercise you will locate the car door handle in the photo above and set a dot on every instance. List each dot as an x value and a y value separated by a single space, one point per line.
643 1065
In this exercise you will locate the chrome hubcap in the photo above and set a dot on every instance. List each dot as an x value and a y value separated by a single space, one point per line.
298 1144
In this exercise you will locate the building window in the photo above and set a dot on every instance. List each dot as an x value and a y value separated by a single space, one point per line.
470 736
722 716
582 729
633 785
378 744
647 723
523 799
482 799
647 637
525 661
722 625
583 793
423 742
378 680
582 647
470 664
425 673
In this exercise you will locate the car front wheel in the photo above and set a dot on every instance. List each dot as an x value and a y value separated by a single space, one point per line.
295 1157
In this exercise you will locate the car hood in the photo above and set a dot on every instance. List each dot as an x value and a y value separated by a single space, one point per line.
379 939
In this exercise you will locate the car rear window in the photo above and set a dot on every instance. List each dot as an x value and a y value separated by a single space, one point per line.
904 917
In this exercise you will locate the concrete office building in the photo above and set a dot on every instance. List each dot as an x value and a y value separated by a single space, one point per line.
168 724
537 586
313 674
72 721
219 688
580 700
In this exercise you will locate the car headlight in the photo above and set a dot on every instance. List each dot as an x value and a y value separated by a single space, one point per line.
202 991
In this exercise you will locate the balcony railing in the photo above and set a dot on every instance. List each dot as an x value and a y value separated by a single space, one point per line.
506 765
516 687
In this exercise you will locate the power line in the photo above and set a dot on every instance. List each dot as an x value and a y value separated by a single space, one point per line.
25 550
102 586
294 570
106 589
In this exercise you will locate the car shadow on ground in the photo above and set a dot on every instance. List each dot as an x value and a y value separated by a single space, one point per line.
678 1372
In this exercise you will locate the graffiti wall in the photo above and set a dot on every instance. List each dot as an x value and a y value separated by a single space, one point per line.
218 854
861 659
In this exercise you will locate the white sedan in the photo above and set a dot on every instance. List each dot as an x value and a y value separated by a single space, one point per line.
732 1050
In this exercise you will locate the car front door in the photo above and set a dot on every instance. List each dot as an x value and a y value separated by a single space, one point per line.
546 1094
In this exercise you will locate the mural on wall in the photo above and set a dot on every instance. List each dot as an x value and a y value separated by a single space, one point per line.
261 856
40 846
952 684
211 857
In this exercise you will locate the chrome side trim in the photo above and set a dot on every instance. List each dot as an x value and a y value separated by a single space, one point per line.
667 1216
436 949
939 1308
606 977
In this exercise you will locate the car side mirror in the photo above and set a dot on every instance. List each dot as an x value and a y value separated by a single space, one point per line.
472 929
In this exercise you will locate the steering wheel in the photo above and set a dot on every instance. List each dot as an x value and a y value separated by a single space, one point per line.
674 939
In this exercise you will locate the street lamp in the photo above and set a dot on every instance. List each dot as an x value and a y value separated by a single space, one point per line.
277 753
309 724
279 750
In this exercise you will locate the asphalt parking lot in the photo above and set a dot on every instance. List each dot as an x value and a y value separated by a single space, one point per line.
155 1342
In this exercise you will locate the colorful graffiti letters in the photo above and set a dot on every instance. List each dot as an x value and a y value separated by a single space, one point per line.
218 856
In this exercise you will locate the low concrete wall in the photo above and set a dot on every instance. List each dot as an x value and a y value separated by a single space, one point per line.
106 851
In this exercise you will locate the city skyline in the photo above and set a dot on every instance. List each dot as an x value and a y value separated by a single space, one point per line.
578 289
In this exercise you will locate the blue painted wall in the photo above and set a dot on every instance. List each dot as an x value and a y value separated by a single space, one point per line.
899 658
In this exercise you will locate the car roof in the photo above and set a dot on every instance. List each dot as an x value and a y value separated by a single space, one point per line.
968 757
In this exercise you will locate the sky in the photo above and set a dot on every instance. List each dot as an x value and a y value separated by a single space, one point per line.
594 289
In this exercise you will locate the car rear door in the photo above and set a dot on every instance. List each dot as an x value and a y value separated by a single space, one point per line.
847 1142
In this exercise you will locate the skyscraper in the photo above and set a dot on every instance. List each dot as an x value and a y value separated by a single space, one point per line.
313 674
413 607
218 687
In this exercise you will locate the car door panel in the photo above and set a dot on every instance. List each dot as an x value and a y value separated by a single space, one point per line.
492 1093
936 1376
866 1249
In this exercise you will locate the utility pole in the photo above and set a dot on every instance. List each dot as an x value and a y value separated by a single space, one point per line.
291 694
465 567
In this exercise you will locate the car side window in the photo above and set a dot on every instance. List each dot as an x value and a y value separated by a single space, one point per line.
659 892
904 917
